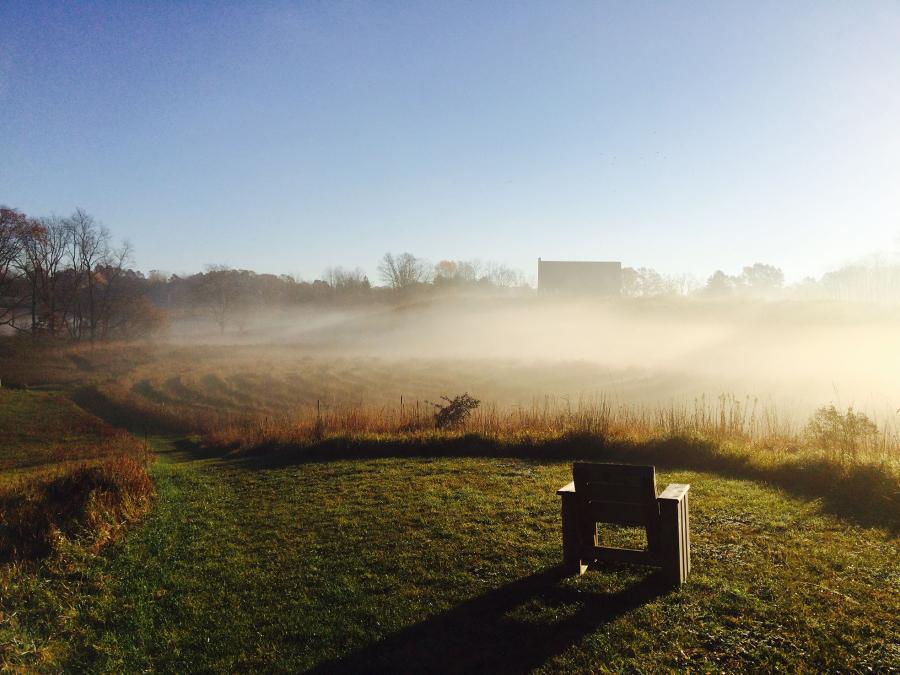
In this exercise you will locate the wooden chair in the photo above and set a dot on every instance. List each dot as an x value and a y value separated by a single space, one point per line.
623 494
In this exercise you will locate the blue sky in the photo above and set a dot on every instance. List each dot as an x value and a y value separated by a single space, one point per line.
288 137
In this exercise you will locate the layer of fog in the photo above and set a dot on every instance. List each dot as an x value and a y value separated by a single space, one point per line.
796 355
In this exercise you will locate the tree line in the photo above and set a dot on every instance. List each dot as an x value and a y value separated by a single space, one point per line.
758 279
66 278
875 281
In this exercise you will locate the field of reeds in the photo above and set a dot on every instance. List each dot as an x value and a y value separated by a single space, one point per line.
721 420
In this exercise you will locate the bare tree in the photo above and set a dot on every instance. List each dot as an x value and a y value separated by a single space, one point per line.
344 279
13 225
499 274
29 264
875 280
642 282
43 249
113 288
219 292
89 247
73 279
403 271
458 272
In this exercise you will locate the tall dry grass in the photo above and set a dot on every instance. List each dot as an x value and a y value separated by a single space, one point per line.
87 503
65 477
724 420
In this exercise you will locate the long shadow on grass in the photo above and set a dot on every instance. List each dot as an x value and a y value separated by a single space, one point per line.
514 628
865 494
99 404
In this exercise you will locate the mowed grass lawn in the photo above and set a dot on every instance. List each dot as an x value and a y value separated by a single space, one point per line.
450 564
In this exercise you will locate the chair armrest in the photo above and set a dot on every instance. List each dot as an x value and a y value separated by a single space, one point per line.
675 533
567 489
674 492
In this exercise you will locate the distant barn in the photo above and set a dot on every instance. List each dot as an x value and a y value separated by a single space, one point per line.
579 277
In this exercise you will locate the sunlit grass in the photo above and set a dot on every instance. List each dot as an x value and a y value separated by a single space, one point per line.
450 563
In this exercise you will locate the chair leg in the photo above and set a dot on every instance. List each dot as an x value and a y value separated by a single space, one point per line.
571 536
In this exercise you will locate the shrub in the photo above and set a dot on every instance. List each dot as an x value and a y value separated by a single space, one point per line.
87 503
842 433
455 411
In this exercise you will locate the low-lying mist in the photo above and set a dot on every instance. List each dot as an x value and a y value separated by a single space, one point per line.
795 355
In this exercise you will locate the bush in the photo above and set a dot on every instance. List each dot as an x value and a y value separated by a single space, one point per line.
842 433
87 503
455 411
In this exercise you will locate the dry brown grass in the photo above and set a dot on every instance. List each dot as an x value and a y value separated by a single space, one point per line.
723 421
66 476
245 395
90 503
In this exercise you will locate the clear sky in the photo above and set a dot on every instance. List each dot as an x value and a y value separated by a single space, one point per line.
288 137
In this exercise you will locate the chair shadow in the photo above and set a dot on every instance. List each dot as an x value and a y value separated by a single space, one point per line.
480 636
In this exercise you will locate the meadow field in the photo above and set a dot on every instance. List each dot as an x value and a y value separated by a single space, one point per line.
302 512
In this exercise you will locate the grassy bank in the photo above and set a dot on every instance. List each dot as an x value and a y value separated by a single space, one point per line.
867 493
70 484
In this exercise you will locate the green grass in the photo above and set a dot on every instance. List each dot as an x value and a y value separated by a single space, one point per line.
450 563
41 429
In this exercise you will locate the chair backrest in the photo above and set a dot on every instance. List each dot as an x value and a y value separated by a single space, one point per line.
620 494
